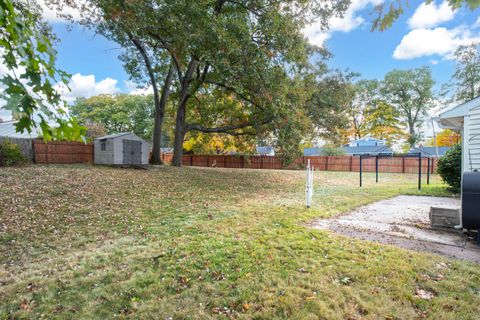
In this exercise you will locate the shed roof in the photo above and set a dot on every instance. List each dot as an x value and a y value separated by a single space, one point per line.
8 129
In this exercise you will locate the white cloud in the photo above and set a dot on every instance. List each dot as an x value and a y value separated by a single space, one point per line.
87 86
51 15
439 41
434 61
350 21
431 15
80 86
132 88
477 23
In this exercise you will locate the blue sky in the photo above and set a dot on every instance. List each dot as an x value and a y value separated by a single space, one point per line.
424 35
351 42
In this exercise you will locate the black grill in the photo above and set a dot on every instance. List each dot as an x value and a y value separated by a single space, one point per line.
471 200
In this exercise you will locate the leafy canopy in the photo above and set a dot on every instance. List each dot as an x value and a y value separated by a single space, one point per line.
27 52
117 113
410 92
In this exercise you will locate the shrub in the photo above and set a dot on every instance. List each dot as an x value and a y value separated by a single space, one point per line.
450 167
10 154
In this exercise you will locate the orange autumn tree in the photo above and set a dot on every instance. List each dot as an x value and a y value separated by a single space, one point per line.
446 138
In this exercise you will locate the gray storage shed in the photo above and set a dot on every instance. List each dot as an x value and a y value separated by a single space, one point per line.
121 149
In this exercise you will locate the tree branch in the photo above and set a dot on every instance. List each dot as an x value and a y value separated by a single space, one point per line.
225 129
148 64
234 90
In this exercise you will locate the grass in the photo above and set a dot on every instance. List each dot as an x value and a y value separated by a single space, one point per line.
197 243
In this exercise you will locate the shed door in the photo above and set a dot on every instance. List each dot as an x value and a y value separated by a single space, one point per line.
132 152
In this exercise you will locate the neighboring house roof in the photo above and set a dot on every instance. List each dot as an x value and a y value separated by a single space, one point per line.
430 151
8 129
364 150
265 150
114 135
307 152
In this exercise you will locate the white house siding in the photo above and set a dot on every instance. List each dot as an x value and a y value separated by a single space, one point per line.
473 136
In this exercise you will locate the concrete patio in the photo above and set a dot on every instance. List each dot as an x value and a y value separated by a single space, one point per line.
404 221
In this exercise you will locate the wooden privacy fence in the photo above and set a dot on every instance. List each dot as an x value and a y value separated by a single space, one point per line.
62 152
25 144
328 163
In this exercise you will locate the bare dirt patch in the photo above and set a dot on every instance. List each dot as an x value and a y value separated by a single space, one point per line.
404 221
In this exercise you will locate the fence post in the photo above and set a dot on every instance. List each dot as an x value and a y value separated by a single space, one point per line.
428 170
420 171
326 163
191 160
360 170
351 163
403 164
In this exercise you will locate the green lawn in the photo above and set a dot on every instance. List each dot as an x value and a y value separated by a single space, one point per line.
198 243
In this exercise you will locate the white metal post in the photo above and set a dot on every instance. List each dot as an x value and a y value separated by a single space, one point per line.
309 185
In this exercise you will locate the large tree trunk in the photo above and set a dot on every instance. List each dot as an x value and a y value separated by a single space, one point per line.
412 139
180 126
159 114
180 122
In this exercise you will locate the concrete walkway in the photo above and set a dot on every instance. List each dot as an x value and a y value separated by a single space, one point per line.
404 221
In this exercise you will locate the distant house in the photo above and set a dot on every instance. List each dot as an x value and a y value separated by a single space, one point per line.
380 150
366 142
265 151
8 130
363 146
429 151
353 151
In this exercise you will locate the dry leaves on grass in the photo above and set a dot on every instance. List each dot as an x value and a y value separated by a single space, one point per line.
424 294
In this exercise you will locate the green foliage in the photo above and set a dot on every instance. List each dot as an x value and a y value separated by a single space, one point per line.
27 52
410 93
382 122
117 113
248 49
332 150
10 154
450 166
330 98
467 73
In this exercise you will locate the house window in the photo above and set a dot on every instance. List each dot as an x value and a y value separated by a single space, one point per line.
103 146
